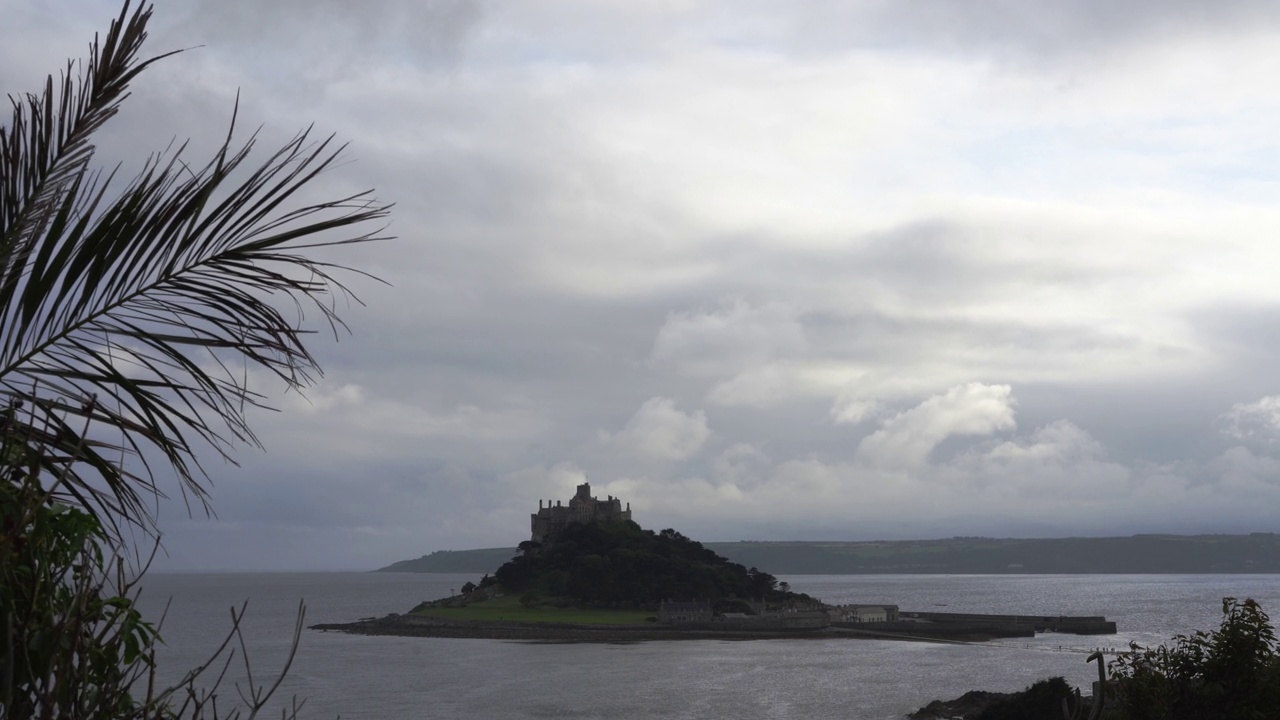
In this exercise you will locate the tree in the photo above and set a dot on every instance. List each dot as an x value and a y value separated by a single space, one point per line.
72 643
1230 674
129 320
70 646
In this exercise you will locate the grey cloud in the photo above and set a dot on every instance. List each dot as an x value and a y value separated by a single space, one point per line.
1243 333
735 334
661 431
1021 32
547 282
325 38
49 37
1153 420
909 437
1025 33
951 262
875 336
1257 421
935 262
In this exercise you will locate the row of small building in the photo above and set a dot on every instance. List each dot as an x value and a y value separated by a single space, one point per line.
816 615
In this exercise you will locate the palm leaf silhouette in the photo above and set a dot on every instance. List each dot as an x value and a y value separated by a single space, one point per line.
129 320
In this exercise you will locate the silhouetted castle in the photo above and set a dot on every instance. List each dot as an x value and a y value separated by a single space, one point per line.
582 508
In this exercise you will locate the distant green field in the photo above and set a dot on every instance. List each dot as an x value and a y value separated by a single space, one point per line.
887 551
509 608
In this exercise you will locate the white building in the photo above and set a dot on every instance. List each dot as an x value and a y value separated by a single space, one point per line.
865 613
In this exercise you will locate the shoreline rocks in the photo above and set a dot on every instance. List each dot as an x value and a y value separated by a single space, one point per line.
969 705
420 626
417 626
1042 700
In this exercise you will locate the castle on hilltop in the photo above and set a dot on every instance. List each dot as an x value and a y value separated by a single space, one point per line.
582 508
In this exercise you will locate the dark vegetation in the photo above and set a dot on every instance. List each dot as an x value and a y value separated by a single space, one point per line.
620 565
1042 700
1229 674
1259 552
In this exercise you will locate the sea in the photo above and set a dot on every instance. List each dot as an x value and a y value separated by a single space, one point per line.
351 676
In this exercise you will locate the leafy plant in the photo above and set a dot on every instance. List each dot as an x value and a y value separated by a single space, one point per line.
1041 699
72 642
71 648
1229 674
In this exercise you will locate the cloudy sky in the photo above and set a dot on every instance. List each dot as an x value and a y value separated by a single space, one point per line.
804 270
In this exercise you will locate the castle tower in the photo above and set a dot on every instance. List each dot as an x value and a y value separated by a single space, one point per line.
582 508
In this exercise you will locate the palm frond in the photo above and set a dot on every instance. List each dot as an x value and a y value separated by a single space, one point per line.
47 147
149 300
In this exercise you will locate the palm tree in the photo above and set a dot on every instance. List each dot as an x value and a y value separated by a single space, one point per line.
130 315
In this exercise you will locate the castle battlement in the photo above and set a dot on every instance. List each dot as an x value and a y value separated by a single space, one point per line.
582 508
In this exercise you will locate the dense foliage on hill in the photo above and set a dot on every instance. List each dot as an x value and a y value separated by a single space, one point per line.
618 564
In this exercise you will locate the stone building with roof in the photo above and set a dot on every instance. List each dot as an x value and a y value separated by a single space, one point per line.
864 613
582 508
696 611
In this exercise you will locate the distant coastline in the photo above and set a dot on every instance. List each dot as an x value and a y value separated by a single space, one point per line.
1137 554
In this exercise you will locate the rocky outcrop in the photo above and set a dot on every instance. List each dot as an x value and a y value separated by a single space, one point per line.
1043 700
966 707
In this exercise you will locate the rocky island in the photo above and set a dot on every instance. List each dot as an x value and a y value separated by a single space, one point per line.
589 573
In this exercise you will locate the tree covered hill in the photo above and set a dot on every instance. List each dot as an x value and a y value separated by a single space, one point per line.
618 564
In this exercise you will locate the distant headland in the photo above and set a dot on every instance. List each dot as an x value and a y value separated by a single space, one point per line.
1136 554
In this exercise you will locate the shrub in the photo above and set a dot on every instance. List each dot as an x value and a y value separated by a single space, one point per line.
1230 674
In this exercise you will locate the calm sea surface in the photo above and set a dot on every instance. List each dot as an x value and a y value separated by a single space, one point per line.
390 677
